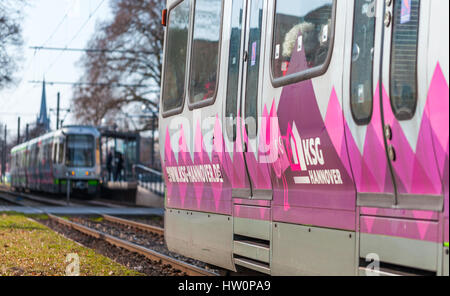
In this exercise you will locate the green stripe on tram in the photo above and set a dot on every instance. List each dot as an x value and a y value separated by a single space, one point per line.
18 149
93 182
446 244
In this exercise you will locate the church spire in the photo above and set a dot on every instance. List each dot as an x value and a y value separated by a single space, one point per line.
43 119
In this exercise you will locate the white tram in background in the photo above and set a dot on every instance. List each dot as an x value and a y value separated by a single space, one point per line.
307 137
45 164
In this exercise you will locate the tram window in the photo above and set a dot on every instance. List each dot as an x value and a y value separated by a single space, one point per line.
61 152
37 156
362 61
32 150
205 50
80 151
54 152
175 63
403 83
303 36
43 152
49 152
254 52
28 157
234 65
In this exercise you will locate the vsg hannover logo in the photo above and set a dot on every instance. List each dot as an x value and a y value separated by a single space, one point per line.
306 158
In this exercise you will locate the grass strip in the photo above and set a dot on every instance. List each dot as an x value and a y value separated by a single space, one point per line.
28 248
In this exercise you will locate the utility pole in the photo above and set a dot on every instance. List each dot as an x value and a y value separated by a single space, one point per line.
59 122
18 131
4 155
153 139
27 132
57 112
1 160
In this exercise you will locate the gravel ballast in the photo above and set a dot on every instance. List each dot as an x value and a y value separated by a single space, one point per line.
129 259
143 238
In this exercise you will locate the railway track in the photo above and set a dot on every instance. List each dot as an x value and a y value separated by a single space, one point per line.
134 224
9 199
32 199
187 268
41 200
5 201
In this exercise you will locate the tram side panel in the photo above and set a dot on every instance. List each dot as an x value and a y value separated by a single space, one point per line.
198 193
303 111
303 84
332 179
406 219
438 105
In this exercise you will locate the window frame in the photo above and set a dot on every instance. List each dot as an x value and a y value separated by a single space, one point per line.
210 101
246 67
178 110
232 134
367 120
402 116
309 73
92 149
62 151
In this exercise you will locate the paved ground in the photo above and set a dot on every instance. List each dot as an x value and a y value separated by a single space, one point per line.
83 210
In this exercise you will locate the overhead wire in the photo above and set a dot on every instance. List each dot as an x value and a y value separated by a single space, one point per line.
38 48
60 24
74 37
66 47
27 67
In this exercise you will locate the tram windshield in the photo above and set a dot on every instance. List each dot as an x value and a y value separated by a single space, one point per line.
302 35
80 151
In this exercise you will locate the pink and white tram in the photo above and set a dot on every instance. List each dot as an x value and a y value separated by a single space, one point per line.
308 137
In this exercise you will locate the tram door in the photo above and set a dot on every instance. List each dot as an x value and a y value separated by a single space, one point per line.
406 122
365 139
390 144
251 178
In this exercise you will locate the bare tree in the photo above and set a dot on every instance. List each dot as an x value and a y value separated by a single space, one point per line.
10 38
127 69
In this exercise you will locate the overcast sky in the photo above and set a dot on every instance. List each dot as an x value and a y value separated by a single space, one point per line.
52 23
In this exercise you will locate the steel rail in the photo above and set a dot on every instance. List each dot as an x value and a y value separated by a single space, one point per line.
35 198
138 225
3 196
59 203
150 254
